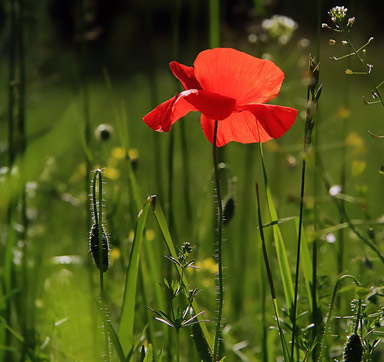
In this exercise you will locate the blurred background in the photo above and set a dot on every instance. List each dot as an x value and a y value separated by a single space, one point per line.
76 78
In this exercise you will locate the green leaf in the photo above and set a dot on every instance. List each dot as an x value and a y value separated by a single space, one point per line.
115 341
128 307
149 354
285 272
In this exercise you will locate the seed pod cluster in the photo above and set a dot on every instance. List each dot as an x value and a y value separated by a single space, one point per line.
94 246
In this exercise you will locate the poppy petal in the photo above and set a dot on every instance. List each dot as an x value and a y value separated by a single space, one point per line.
276 120
166 114
238 127
211 105
186 75
260 123
238 75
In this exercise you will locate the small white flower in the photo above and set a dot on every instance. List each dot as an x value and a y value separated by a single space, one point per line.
334 190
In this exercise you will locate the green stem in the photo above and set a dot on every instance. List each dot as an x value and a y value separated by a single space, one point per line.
316 313
98 216
294 309
330 311
216 350
85 94
11 85
177 344
214 23
270 278
365 66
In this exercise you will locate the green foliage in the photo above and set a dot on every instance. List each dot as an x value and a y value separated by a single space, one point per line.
50 306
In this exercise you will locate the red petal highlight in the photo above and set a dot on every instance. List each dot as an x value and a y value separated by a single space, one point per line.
167 113
211 105
276 120
260 123
237 75
186 75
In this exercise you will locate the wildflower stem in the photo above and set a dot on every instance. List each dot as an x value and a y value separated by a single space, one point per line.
98 218
177 344
365 66
270 279
294 309
216 351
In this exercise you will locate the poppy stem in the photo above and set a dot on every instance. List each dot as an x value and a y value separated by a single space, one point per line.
216 351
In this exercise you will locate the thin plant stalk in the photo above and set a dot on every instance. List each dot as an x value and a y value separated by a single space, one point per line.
7 261
11 85
330 311
214 23
216 350
313 94
22 143
270 278
85 101
177 344
294 309
316 314
175 10
98 215
186 173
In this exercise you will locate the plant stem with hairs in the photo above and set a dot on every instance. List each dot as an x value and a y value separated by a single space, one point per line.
217 345
98 216
313 94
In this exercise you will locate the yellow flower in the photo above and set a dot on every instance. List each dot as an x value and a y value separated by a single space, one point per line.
118 153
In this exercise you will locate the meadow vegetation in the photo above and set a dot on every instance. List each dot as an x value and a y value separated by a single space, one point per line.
302 231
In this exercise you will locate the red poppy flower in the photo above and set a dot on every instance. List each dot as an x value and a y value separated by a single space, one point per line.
231 87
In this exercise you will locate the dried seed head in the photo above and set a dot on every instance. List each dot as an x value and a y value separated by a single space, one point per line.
94 246
353 351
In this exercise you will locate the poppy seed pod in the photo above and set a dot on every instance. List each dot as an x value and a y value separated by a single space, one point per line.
94 246
353 351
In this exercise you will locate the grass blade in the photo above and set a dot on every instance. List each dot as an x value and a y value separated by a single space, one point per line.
149 354
128 307
285 272
306 263
270 279
115 341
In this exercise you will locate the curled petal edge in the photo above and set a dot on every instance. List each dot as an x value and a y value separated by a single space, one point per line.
210 104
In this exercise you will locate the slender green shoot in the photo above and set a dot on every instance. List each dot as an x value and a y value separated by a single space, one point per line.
330 311
214 23
128 307
313 94
280 246
270 279
98 215
218 333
